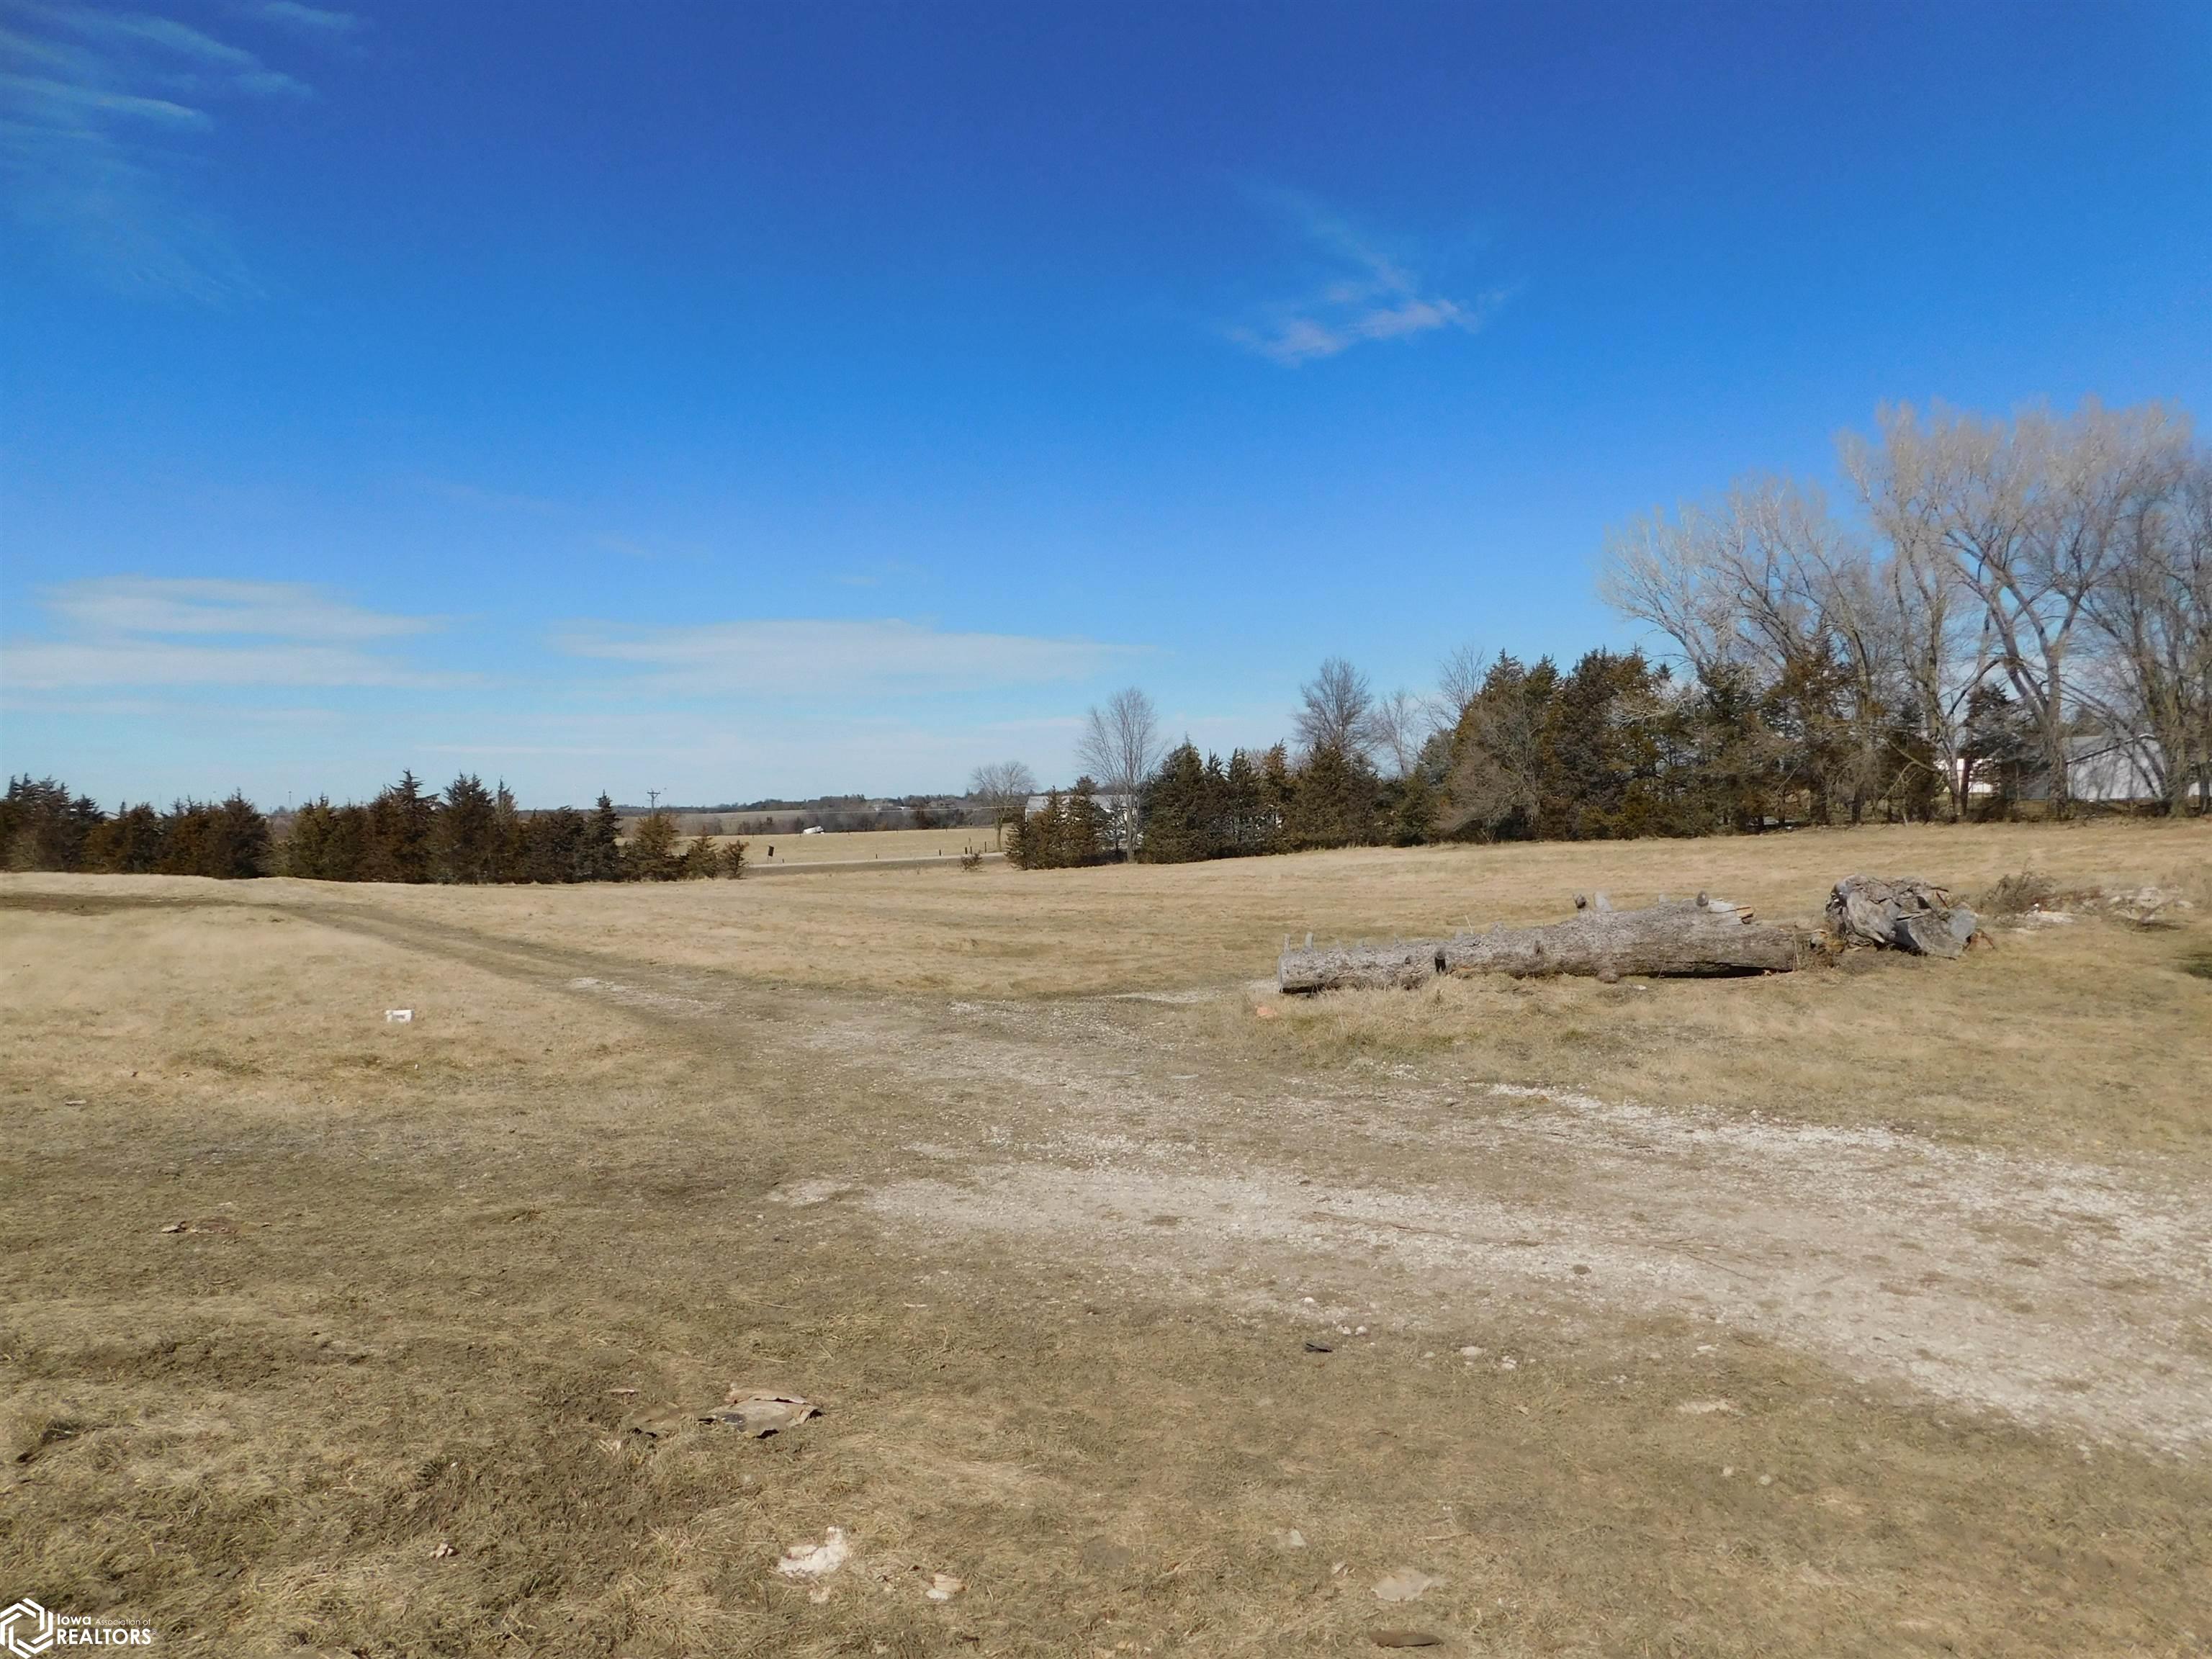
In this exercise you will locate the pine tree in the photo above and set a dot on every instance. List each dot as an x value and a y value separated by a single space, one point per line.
652 854
733 858
128 844
1175 809
239 848
43 827
1083 826
602 851
401 821
1413 814
1336 797
505 862
467 831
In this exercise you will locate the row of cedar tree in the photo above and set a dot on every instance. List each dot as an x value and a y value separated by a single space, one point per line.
468 834
1614 748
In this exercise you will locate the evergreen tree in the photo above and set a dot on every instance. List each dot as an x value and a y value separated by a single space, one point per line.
1249 825
1043 835
1334 799
699 861
733 858
651 855
43 827
1178 812
467 835
1414 813
554 847
401 828
128 844
602 852
1083 837
507 848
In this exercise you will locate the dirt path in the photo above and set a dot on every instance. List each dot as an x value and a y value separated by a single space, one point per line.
2064 1295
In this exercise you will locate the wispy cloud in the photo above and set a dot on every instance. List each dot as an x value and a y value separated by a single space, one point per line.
98 108
308 20
1364 292
802 656
147 631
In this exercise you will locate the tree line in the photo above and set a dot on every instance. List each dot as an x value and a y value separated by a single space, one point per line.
468 834
2018 602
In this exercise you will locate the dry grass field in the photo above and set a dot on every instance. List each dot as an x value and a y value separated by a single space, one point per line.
864 846
1863 1312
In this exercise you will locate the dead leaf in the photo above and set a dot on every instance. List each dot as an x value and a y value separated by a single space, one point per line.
445 1551
943 1587
1406 1585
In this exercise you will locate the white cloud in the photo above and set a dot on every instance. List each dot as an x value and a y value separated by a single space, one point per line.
95 107
1371 295
800 656
148 631
312 20
149 604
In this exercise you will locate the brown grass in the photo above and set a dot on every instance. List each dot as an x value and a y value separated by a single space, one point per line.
421 1258
863 846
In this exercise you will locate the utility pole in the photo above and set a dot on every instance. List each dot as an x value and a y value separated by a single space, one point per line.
652 799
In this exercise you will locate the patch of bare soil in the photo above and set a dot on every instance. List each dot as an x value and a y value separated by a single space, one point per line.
2069 1295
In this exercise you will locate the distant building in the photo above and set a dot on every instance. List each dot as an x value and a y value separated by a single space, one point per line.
1120 810
2112 769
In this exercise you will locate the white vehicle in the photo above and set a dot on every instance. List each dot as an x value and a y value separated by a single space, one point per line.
814 829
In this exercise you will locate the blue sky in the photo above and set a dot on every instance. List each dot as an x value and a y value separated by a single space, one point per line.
738 401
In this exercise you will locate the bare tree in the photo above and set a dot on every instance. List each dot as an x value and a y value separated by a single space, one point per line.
1459 682
1121 747
1766 578
1663 572
2033 512
1338 711
1397 727
2150 683
1004 787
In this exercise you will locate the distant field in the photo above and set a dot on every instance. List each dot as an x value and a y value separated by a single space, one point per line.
836 846
1861 1311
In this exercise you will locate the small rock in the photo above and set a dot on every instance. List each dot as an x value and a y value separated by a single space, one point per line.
445 1551
1288 1538
1406 1585
760 1414
810 1561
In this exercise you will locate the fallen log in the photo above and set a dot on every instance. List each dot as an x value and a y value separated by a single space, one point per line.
1401 965
1689 938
